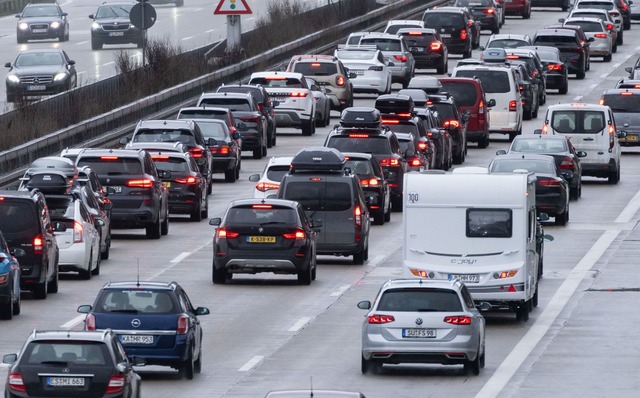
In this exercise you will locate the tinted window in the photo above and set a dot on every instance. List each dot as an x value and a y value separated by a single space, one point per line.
61 208
277 82
556 40
71 352
588 15
393 29
256 93
234 104
492 81
362 168
17 216
248 215
465 94
595 4
445 110
115 165
213 130
489 223
548 55
404 128
383 44
532 165
536 145
474 3
422 40
362 143
315 68
161 135
571 121
623 103
142 301
276 173
166 163
320 195
588 26
202 114
356 55
432 20
507 43
420 300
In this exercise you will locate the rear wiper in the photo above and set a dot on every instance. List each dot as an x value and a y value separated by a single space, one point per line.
125 311
62 363
427 310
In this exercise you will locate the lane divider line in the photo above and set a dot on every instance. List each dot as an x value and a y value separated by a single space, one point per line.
72 323
181 257
299 325
251 363
340 290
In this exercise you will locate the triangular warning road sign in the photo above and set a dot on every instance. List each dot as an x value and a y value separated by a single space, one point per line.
232 7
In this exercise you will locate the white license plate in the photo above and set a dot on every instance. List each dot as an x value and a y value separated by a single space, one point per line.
135 339
419 333
39 31
465 278
279 99
65 381
115 189
445 35
358 72
116 34
36 88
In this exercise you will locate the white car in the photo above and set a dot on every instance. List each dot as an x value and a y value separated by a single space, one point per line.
269 182
80 244
395 25
602 44
323 102
371 69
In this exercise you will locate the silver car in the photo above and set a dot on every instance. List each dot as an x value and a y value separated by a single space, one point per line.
423 321
371 69
396 51
602 43
323 102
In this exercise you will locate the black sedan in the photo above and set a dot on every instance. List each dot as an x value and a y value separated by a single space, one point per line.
225 147
556 71
552 190
565 154
264 235
374 184
42 21
36 73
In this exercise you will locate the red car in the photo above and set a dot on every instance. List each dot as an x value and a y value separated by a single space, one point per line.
518 7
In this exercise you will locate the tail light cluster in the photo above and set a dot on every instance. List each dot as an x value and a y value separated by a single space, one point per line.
224 234
549 183
38 244
90 322
513 106
116 384
458 320
489 11
295 94
463 34
196 152
609 26
143 183
267 186
601 35
452 124
220 150
481 110
78 230
545 128
422 146
611 137
555 67
250 119
187 180
435 46
16 383
566 163
389 162
298 234
400 58
370 182
415 162
340 81
357 217
380 319
183 324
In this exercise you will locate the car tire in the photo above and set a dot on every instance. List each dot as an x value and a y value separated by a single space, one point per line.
257 153
534 113
96 270
17 305
467 54
230 175
86 274
483 142
615 48
6 310
574 193
580 75
387 215
614 176
153 230
442 69
378 218
562 219
473 366
41 291
96 44
304 276
314 270
367 365
269 142
186 368
196 213
54 283
513 135
197 365
527 14
396 204
218 276
522 312
607 58
620 40
238 167
543 97
105 254
534 299
358 258
564 88
308 128
496 29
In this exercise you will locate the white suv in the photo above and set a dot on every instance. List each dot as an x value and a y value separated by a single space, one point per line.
292 98
269 183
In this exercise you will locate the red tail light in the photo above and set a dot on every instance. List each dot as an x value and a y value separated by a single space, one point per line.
189 180
452 123
161 158
297 235
555 67
116 384
183 324
37 245
463 34
513 106
401 58
220 150
196 152
435 46
90 322
16 383
611 137
415 33
458 320
489 11
626 93
298 94
357 216
250 119
422 146
390 121
379 319
481 110
108 158
78 229
224 234
609 26
358 136
624 7
371 182
566 163
266 186
601 35
145 183
549 183
415 162
340 81
389 162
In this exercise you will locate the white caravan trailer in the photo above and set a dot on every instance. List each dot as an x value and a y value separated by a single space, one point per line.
477 227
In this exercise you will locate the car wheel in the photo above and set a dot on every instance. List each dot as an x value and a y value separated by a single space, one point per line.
204 212
543 98
238 167
614 176
230 175
442 69
304 276
527 14
467 54
615 48
186 367
269 142
308 127
483 356
564 88
366 365
396 204
620 40
274 136
534 113
607 58
257 153
66 36
378 218
513 135
153 229
562 219
496 29
41 291
264 150
358 258
522 312
197 365
96 270
573 193
53 284
314 270
580 75
534 299
219 276
17 305
387 215
196 213
483 142
6 309
96 44
86 274
105 254
473 367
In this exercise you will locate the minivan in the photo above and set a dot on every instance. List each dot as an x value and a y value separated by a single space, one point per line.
329 192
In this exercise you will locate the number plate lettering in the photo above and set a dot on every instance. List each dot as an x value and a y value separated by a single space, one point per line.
65 381
419 333
134 339
465 278
261 239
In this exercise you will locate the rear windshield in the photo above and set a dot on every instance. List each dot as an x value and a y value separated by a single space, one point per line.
17 217
595 4
422 40
407 145
383 44
536 145
360 143
234 104
465 94
315 68
445 110
548 55
61 208
202 114
587 26
578 122
623 103
162 135
320 195
136 301
276 173
166 163
277 82
588 15
212 130
439 19
493 81
112 165
420 300
507 43
362 168
532 165
393 29
404 128
247 215
356 55
71 352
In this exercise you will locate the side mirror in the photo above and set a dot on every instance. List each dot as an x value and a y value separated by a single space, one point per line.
122 368
621 134
99 223
254 177
211 142
236 136
628 69
316 223
85 309
18 252
241 126
364 305
465 117
91 16
202 311
352 75
123 141
199 161
10 358
561 20
484 306
429 151
501 152
491 103
216 221
7 65
107 205
481 48
591 39
567 175
390 63
548 238
581 154
543 217
537 131
59 227
72 62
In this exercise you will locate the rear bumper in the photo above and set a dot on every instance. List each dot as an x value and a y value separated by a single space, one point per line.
135 218
289 261
375 347
598 169
290 118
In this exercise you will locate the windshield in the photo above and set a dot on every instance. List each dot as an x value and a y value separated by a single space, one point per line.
213 129
40 11
538 145
588 26
383 44
360 143
420 300
39 59
158 135
315 68
234 104
107 11
533 165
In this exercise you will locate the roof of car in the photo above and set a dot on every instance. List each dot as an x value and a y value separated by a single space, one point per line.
280 160
313 393
404 136
38 335
42 50
426 283
632 91
525 156
578 105
421 30
587 19
294 75
164 123
140 285
376 35
556 32
112 152
358 155
158 146
405 22
503 36
446 9
314 57
250 201
14 194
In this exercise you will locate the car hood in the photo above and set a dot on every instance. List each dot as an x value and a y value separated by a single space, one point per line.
118 20
42 69
40 20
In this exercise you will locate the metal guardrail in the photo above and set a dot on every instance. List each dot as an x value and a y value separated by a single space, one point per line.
107 129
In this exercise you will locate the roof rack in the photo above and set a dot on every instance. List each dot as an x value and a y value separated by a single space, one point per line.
318 159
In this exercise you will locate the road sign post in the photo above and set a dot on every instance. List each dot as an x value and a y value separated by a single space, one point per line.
143 16
233 9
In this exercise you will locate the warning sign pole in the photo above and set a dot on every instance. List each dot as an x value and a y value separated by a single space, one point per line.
233 9
234 31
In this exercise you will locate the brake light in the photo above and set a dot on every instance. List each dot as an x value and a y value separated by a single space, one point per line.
415 162
78 229
611 137
513 106
463 33
489 11
196 152
377 68
626 93
183 324
37 245
160 158
188 180
251 119
469 23
358 136
224 234
452 123
90 322
415 33
458 320
422 146
521 87
145 183
390 121
506 274
275 78
340 81
267 186
609 26
389 162
297 235
116 384
262 207
601 35
512 56
435 46
357 216
549 183
315 64
624 7
401 58
601 101
372 182
298 94
16 383
566 163
379 319
554 67
221 150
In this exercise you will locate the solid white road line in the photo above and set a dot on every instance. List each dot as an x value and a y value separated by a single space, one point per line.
340 291
630 210
577 98
299 325
252 362
181 257
72 323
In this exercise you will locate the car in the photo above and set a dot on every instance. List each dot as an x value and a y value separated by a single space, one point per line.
455 27
323 103
25 223
438 136
572 51
563 4
454 121
354 38
518 7
601 41
507 41
139 198
624 105
269 182
187 187
395 25
556 76
565 154
422 321
327 71
318 393
295 103
98 205
10 274
154 321
245 109
397 51
264 235
535 69
370 69
528 86
331 195
226 151
265 105
177 3
486 12
582 37
605 16
628 83
416 159
624 7
608 5
634 10
72 363
42 21
374 184
211 112
56 164
36 73
552 190
428 49
111 24
79 244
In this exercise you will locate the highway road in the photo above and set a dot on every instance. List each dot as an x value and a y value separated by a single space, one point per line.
265 332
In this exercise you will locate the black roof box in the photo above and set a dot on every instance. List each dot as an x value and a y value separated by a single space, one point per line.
368 118
318 159
49 182
395 104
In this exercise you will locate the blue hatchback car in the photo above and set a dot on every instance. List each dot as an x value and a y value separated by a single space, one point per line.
9 280
153 320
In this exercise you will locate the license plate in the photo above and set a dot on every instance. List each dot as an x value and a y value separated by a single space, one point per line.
115 189
166 184
419 333
630 138
358 72
261 239
134 339
39 31
445 35
279 99
36 88
417 49
466 278
116 34
65 381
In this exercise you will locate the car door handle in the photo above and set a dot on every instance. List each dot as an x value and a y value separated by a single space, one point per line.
587 139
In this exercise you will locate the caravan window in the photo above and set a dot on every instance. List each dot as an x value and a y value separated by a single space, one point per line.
489 223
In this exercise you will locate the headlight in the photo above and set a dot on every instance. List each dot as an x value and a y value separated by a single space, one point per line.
13 78
60 76
95 26
23 26
55 25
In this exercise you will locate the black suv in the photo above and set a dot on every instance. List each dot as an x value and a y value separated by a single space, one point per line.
453 121
72 363
528 89
455 28
42 21
534 63
572 51
374 184
112 25
25 223
139 198
484 12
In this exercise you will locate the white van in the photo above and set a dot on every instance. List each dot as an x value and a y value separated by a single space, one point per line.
592 129
486 239
499 83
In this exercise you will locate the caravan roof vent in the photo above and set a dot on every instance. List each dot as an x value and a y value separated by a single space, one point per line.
318 159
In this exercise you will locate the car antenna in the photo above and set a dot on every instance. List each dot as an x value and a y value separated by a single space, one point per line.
138 275
311 386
